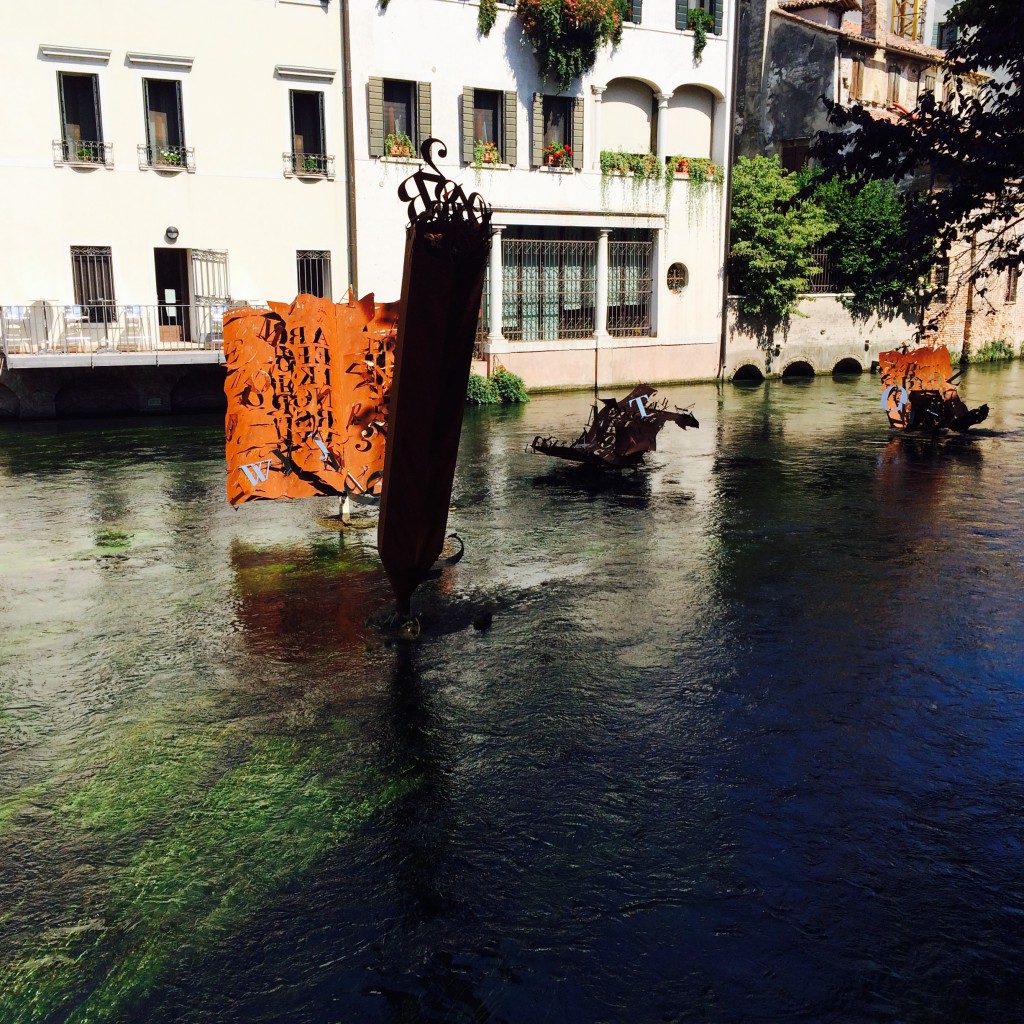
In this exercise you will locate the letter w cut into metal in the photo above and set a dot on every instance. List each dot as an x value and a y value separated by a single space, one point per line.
257 472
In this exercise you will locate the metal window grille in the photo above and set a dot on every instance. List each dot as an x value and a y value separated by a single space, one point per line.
314 267
629 288
94 281
941 277
483 322
549 288
822 280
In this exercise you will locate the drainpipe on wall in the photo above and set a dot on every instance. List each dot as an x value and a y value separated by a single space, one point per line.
350 153
732 76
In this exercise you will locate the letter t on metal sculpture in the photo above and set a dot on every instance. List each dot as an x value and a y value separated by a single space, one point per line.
446 248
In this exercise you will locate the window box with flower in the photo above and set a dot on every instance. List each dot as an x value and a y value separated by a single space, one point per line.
558 154
485 153
397 144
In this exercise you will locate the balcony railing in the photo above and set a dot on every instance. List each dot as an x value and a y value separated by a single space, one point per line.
107 329
308 165
167 158
83 154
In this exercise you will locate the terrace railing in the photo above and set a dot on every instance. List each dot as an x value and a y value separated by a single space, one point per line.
107 329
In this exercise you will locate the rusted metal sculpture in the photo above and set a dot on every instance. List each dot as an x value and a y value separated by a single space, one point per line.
447 243
620 433
307 387
918 392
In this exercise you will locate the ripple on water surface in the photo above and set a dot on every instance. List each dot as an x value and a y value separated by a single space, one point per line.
742 743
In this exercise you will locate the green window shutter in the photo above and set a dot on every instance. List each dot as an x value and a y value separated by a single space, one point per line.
577 132
682 14
375 109
510 154
537 131
717 27
468 101
423 125
637 11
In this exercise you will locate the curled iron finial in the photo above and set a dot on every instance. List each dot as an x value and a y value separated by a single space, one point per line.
449 202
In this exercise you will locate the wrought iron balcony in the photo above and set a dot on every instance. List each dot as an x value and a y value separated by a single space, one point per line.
308 165
79 153
167 158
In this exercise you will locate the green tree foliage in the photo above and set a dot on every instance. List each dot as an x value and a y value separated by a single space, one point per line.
970 144
872 264
773 234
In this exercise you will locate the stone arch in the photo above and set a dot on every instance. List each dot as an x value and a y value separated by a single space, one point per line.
96 393
798 368
689 120
200 389
628 116
848 364
10 404
748 373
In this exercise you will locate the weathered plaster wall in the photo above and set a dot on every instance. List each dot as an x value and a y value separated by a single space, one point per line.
823 334
801 68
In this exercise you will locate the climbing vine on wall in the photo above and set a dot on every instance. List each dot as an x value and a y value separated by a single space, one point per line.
698 21
486 16
566 34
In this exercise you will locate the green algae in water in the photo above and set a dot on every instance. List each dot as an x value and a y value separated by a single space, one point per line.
116 540
227 853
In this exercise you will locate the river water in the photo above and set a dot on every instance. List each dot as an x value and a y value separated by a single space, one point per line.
744 742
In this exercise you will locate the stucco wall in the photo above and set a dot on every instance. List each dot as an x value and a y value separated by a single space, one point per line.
822 334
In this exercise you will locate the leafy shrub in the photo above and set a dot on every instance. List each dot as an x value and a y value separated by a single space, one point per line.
480 391
508 387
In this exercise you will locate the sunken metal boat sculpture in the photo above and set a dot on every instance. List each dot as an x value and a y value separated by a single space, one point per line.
918 393
618 433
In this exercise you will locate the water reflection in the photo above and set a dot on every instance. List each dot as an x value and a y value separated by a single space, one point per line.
742 742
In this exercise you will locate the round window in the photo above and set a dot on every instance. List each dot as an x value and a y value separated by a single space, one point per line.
678 277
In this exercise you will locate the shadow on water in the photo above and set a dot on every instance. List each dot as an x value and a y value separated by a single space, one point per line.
743 742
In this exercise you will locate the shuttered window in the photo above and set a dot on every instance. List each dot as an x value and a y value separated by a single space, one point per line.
395 108
557 120
713 7
634 11
489 116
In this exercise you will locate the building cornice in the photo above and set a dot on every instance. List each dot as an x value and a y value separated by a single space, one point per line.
81 53
298 71
159 60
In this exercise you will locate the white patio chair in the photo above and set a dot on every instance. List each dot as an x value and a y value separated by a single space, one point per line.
134 336
17 332
77 336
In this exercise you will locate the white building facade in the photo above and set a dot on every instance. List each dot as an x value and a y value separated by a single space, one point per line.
161 162
164 162
594 277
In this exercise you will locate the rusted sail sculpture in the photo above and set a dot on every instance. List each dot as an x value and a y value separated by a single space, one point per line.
620 432
307 388
446 249
918 393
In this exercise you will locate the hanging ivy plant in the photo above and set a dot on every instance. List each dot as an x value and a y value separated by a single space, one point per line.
566 34
486 16
698 21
